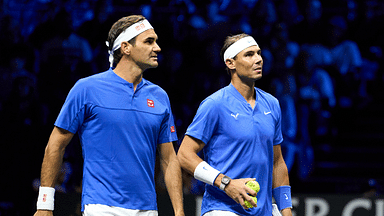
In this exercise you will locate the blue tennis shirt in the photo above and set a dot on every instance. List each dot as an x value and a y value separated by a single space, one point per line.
119 130
239 143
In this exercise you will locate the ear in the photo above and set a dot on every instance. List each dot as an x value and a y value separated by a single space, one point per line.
230 64
126 48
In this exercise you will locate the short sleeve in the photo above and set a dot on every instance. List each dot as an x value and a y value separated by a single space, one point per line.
278 137
72 113
205 121
168 129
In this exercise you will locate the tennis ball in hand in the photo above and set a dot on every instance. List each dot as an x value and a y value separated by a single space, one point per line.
254 186
248 204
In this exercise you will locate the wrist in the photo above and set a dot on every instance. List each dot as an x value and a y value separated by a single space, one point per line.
45 199
217 182
225 180
179 212
282 197
205 173
286 212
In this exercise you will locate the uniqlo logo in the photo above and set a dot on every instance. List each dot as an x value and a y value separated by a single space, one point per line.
150 103
44 197
173 129
140 26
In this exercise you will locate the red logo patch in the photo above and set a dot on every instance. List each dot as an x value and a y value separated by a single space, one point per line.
44 197
173 129
139 27
150 103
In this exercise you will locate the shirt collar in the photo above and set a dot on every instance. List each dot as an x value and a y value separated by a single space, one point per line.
237 94
123 81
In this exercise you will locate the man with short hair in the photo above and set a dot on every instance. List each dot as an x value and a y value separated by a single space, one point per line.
239 130
121 119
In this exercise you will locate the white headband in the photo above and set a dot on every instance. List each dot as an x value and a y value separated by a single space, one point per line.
129 33
239 46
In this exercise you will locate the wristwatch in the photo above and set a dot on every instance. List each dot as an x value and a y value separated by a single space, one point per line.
224 182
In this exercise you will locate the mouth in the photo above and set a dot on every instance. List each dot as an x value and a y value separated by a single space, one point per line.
258 70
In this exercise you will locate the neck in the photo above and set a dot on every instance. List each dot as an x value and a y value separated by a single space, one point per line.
130 72
244 86
246 89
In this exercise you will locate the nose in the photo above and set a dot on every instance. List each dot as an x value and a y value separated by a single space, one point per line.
156 48
259 59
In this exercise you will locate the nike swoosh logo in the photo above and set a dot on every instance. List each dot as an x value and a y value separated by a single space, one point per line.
266 113
286 197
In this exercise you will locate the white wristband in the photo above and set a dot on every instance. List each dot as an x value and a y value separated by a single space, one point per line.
46 200
206 173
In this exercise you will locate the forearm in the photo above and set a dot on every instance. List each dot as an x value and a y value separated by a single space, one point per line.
173 181
280 183
280 178
53 156
50 168
187 154
280 174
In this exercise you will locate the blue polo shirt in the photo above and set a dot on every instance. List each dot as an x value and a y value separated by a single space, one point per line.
239 143
119 130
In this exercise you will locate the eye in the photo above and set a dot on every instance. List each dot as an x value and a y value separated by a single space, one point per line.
150 40
249 54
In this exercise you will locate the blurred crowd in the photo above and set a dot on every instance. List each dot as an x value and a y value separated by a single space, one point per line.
320 57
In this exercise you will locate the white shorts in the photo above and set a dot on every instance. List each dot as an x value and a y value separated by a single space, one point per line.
220 213
275 212
104 210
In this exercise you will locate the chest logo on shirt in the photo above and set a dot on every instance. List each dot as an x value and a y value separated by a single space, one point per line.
173 129
266 113
235 116
150 103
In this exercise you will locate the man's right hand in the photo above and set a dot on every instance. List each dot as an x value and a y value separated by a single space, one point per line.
43 213
238 191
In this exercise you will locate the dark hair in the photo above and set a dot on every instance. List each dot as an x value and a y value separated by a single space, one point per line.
117 28
229 40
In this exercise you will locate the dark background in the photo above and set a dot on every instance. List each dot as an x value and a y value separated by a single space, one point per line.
323 60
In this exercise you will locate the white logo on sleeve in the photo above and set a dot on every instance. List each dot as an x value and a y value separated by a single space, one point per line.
266 113
234 116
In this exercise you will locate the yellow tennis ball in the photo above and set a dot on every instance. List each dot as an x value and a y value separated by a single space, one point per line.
254 185
248 204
